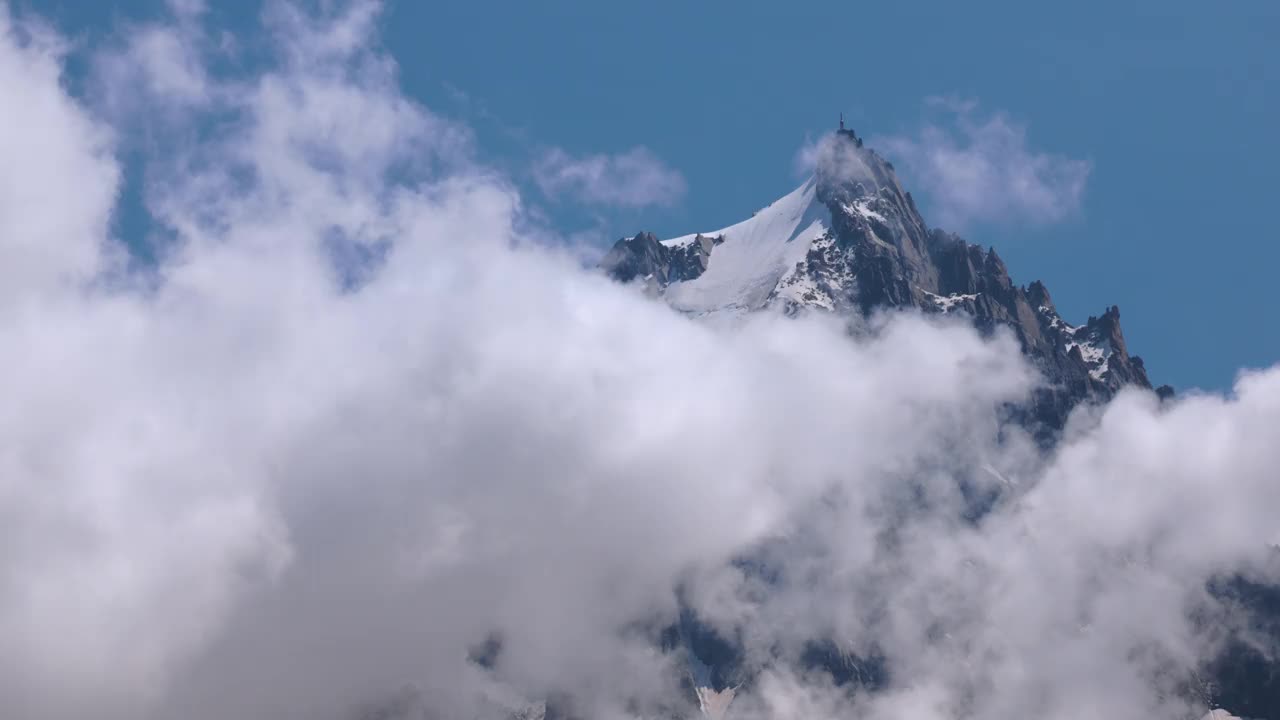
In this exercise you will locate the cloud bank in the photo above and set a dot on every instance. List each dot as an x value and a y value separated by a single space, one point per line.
359 421
979 168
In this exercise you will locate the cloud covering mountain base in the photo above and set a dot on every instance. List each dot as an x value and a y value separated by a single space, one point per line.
365 413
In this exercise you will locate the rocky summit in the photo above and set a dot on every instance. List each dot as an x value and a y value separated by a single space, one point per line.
851 241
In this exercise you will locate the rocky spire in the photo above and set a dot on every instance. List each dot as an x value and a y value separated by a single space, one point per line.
875 251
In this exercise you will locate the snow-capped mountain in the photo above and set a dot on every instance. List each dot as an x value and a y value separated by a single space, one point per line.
850 240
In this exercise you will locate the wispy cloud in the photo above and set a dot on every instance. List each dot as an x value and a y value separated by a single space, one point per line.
635 178
979 167
155 60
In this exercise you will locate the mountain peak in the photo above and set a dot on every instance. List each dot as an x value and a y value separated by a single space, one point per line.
844 166
1038 294
851 241
848 134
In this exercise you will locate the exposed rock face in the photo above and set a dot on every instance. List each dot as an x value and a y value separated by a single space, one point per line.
872 250
643 257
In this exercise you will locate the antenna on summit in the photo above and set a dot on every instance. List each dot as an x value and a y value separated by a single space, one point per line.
848 133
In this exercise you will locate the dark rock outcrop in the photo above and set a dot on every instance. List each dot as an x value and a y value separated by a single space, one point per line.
643 257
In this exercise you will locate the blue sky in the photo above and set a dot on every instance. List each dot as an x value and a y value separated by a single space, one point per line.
1173 105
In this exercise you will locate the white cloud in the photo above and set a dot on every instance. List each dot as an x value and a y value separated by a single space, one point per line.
636 178
155 66
47 235
840 160
978 168
250 489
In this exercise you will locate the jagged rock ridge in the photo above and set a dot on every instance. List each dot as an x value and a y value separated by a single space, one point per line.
851 241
